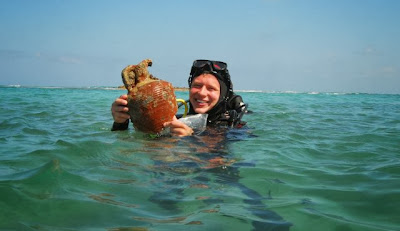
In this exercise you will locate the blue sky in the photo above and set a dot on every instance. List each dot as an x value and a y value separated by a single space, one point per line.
269 45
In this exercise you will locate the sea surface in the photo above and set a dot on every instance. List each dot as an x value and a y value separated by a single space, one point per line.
304 161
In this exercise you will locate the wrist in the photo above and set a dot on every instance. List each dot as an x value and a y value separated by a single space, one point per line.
121 121
120 126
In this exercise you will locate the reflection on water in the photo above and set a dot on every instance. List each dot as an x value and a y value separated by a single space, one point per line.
205 165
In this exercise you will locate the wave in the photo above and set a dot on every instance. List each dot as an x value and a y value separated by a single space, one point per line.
10 86
260 91
113 88
59 87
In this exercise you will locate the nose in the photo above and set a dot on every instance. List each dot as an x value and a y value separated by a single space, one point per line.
203 90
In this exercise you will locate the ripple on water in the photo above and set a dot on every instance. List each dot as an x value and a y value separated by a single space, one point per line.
319 162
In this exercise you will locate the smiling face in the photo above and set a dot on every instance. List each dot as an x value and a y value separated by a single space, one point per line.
204 93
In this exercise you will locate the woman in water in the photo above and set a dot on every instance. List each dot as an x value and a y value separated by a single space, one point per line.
211 92
209 161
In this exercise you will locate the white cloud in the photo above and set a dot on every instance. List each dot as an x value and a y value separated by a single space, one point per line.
369 51
389 70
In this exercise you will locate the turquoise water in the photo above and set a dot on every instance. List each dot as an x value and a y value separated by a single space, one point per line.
315 161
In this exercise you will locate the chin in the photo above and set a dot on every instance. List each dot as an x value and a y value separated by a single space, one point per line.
201 110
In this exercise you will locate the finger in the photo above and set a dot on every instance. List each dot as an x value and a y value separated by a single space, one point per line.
180 129
123 109
125 96
177 131
124 116
119 109
120 101
178 124
121 116
181 132
166 124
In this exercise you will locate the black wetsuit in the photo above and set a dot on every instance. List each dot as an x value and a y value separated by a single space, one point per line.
228 113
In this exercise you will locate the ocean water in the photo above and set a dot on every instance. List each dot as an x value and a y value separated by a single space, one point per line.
305 161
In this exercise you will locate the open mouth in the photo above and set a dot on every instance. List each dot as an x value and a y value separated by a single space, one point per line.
201 102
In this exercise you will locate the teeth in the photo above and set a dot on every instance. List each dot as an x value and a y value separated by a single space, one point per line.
201 101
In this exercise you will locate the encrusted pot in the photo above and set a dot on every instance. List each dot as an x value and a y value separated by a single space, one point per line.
151 101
